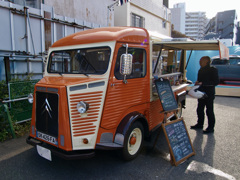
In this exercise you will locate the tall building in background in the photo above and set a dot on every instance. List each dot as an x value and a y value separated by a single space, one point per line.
223 26
195 24
238 33
192 24
178 17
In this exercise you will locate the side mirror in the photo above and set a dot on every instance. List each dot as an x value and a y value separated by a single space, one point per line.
126 64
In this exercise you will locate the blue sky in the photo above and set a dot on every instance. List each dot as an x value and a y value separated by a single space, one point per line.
211 7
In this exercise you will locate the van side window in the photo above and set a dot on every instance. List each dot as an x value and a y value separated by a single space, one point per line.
234 61
138 66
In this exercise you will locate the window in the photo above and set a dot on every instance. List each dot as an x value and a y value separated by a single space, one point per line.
80 61
219 62
168 62
137 21
30 3
234 61
164 24
138 65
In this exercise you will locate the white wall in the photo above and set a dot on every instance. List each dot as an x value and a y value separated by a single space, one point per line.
94 11
121 15
15 37
152 11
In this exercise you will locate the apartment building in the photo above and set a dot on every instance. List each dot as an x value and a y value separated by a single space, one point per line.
195 24
153 15
192 24
223 26
178 13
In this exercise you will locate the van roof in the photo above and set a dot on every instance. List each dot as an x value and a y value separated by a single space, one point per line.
230 57
119 34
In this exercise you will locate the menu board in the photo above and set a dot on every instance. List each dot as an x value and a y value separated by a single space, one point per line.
166 95
179 141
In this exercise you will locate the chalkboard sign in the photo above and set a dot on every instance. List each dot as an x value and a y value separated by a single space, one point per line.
166 95
179 141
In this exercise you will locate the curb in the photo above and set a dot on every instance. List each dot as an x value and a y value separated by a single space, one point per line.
13 147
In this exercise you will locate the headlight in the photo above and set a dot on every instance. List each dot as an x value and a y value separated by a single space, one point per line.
30 98
82 107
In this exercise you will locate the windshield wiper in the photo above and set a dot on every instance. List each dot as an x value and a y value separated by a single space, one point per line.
86 74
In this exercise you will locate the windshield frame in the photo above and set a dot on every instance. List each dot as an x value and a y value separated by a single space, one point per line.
103 51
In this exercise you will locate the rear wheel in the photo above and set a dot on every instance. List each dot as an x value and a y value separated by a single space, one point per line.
133 141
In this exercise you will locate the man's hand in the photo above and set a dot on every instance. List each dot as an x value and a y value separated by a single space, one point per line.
198 83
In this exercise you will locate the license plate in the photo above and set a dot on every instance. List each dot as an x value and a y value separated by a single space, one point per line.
47 138
44 152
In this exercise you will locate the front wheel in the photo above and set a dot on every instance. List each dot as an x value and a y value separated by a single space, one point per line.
133 141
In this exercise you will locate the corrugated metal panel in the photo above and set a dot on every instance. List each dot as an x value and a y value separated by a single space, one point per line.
121 97
85 124
155 115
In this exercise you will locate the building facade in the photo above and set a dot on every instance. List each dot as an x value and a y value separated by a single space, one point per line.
238 33
178 17
195 24
192 24
30 27
153 15
95 12
223 26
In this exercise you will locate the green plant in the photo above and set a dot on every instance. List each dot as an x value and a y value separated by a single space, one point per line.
21 129
19 110
3 90
4 135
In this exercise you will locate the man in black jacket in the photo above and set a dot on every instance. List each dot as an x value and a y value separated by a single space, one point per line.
207 79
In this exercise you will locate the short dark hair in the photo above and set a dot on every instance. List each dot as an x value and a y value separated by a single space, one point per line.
207 58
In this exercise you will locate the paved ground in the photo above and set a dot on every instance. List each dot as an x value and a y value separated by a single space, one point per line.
217 155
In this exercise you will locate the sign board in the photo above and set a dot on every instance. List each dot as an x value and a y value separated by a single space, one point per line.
178 140
166 95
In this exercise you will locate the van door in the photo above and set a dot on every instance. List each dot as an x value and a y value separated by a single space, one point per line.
234 69
123 98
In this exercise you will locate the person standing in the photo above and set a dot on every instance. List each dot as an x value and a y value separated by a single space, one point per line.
207 79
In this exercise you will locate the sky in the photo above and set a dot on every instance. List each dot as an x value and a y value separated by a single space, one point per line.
211 7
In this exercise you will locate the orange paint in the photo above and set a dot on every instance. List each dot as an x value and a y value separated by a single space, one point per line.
133 140
109 102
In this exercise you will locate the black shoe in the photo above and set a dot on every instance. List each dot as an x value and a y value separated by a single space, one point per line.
197 126
207 131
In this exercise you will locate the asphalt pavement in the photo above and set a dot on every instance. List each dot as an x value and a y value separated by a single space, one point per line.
217 154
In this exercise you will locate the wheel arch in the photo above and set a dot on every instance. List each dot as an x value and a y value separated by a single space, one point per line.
126 123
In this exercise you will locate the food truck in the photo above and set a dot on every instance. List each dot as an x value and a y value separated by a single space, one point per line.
98 92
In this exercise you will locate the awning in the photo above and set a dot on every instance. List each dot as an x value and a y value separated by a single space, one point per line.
196 45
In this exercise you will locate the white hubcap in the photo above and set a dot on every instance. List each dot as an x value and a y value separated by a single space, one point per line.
133 148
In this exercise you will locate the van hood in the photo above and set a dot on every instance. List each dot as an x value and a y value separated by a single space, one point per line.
65 81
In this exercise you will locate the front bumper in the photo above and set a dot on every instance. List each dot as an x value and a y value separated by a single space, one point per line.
68 155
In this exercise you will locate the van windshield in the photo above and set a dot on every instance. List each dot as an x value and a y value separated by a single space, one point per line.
80 61
219 62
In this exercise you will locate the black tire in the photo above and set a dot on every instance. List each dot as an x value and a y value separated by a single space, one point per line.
129 151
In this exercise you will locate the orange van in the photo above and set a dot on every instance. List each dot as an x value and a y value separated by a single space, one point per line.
98 92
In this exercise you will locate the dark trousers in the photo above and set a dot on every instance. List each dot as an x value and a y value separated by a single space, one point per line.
208 103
